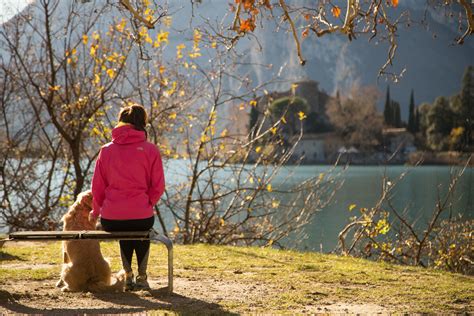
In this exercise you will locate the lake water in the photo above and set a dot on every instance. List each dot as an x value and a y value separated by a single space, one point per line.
417 192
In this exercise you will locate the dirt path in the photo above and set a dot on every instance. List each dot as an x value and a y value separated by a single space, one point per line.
191 296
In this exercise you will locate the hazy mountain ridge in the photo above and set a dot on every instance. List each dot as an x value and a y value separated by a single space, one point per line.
434 66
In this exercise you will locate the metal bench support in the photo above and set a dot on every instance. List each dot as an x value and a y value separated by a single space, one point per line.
154 236
151 235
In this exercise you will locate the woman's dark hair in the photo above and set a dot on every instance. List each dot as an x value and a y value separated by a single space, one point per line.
134 114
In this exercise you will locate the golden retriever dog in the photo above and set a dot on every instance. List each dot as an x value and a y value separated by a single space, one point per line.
84 268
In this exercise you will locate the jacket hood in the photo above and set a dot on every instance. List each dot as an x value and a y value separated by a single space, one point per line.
127 134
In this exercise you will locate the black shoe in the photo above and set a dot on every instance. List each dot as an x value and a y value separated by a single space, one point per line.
129 283
141 282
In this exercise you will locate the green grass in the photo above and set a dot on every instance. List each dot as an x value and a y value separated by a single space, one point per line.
297 278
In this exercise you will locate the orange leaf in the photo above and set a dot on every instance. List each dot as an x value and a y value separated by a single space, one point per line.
248 4
305 33
307 17
394 3
247 25
336 11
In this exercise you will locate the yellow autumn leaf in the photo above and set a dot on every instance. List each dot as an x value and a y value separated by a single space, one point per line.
275 203
93 50
253 103
96 79
351 207
283 119
85 39
179 53
96 131
197 35
222 222
301 115
224 132
111 73
54 88
382 226
172 115
258 149
121 26
273 130
269 187
162 37
194 55
204 138
143 31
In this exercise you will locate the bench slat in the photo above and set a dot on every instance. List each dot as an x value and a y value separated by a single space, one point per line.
67 235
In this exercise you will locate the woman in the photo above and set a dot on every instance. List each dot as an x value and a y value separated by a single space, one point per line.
128 181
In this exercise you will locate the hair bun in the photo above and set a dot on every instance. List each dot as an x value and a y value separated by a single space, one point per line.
134 114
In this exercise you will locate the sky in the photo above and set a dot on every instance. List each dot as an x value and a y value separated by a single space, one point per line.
9 8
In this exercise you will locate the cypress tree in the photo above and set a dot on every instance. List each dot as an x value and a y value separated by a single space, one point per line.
396 116
387 111
253 118
417 120
412 115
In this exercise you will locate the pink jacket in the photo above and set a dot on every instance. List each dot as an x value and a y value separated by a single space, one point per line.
128 177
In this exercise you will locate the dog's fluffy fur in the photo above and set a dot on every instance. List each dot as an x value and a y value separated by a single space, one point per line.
84 268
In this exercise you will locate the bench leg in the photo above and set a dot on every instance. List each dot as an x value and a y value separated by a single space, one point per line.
154 236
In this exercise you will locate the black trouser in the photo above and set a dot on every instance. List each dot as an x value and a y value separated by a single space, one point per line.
141 247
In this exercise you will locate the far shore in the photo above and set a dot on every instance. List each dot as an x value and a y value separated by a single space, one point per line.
418 158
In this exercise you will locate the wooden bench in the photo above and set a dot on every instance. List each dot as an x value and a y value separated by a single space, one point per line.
151 235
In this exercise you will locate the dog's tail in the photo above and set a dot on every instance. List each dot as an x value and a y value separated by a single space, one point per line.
116 284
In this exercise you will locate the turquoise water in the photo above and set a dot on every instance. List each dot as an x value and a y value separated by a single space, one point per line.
416 195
